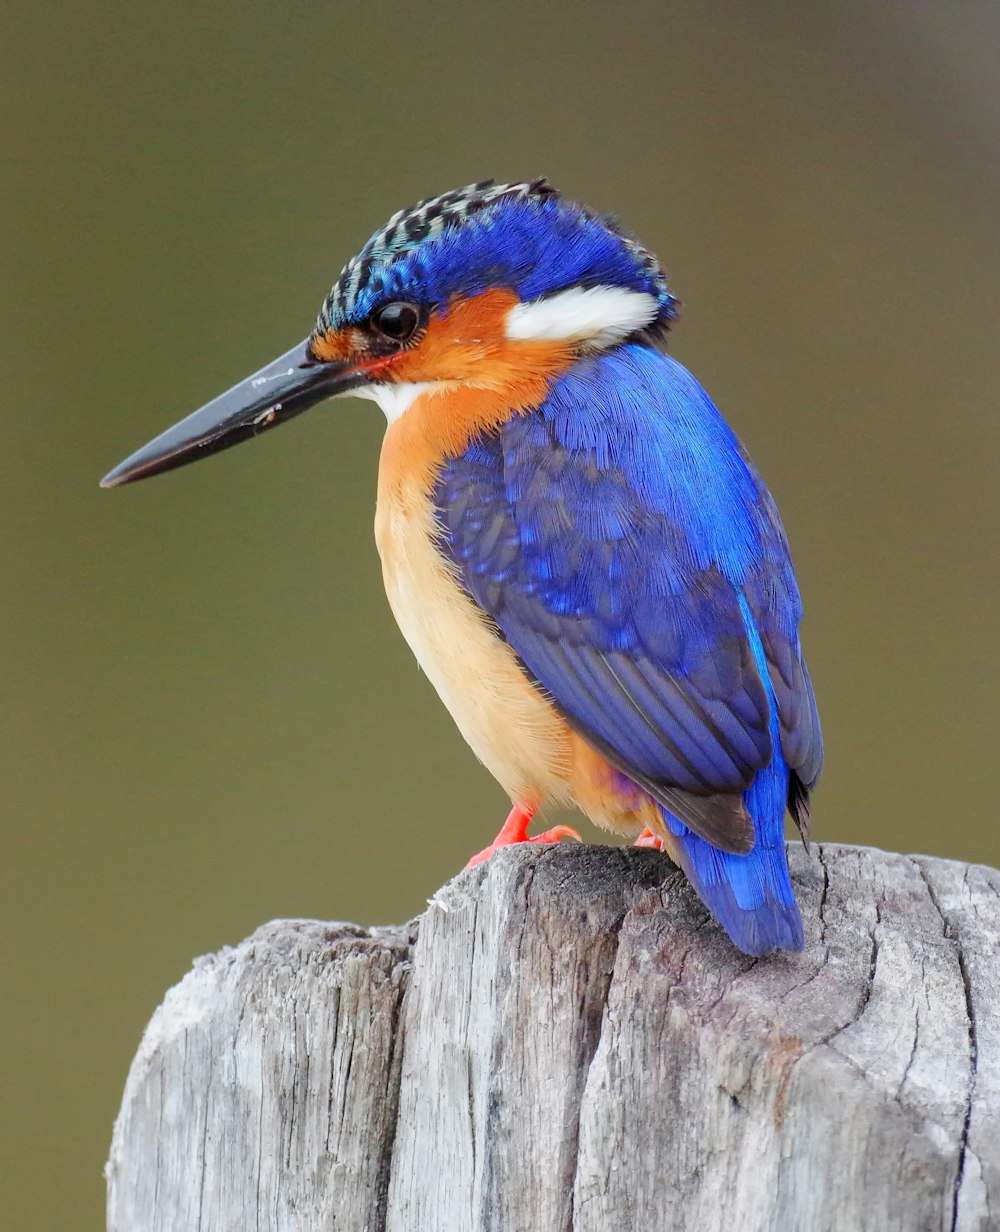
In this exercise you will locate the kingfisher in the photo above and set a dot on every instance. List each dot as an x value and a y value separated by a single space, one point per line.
576 546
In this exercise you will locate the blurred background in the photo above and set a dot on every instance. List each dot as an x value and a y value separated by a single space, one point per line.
208 716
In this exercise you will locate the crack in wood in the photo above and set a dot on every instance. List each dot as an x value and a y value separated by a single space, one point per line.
588 1060
970 1012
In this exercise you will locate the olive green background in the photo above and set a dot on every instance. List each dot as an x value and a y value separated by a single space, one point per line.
208 716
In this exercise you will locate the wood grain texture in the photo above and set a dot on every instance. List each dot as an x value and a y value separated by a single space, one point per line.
571 1044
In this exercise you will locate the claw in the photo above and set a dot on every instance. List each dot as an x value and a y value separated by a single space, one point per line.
515 830
555 835
648 839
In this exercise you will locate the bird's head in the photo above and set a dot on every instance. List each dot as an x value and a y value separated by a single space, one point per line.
487 293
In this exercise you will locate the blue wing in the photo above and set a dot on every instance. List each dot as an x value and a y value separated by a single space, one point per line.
617 536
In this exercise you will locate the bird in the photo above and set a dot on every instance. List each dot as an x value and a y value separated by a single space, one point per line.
575 544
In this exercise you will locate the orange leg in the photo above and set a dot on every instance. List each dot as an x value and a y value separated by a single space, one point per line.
648 839
515 830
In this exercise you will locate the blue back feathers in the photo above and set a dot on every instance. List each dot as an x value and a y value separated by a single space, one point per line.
525 237
631 555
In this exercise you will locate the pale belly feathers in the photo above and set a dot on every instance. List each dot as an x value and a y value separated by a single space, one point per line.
512 728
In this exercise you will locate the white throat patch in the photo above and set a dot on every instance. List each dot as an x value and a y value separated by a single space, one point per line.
599 316
395 398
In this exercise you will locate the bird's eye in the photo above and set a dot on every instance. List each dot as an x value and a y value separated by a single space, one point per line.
397 322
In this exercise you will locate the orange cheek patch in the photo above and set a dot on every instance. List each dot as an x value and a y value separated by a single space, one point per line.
464 344
483 379
460 339
467 342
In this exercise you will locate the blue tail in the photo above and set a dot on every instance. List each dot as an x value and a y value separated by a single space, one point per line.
751 896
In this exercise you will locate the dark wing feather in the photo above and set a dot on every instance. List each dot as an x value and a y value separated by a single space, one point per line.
773 598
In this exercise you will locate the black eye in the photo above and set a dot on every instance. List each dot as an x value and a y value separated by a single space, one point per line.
397 322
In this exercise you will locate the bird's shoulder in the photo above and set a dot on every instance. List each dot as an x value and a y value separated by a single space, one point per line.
626 454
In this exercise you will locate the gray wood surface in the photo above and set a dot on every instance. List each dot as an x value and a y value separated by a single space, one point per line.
570 1043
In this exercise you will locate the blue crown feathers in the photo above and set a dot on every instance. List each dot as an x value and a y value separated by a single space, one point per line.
524 236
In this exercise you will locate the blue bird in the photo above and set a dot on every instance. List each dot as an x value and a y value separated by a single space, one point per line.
574 543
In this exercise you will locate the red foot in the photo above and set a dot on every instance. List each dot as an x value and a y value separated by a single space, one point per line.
648 839
515 830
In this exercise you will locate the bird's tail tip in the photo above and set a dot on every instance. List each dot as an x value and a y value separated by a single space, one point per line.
751 895
758 930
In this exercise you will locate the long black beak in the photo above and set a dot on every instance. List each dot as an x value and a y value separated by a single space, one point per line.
282 390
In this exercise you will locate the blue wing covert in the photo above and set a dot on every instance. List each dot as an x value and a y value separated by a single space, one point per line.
617 536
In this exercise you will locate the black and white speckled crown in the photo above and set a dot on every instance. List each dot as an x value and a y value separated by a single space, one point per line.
413 226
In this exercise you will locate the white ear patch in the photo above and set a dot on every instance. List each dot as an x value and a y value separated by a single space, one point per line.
597 315
396 398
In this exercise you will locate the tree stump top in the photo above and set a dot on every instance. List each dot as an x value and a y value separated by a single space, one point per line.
565 1041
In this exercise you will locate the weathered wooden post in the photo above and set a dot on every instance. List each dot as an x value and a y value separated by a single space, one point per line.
565 1042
